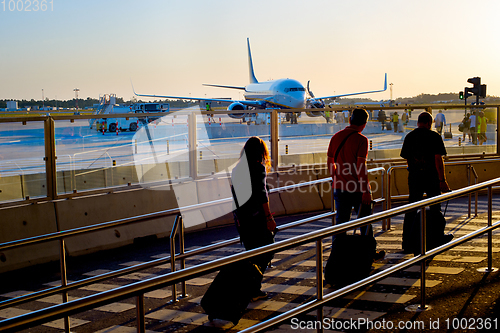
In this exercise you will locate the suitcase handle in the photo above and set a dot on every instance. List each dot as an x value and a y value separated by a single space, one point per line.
372 206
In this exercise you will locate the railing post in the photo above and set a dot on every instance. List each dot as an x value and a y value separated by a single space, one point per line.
423 249
333 203
469 179
388 195
490 267
319 281
50 158
64 281
490 233
181 251
476 194
173 233
274 140
192 141
498 126
141 322
385 223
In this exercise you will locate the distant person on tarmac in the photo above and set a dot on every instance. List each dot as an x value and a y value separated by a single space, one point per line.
440 121
473 128
382 118
346 116
404 118
327 116
423 150
481 128
465 125
395 121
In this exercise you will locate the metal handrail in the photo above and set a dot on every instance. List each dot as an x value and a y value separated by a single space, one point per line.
72 232
469 165
177 223
139 288
473 171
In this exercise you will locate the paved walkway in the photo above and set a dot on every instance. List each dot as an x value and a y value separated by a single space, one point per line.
455 289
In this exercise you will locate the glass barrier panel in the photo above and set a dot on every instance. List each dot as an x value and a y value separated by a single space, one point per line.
90 158
161 148
22 165
304 136
305 139
221 137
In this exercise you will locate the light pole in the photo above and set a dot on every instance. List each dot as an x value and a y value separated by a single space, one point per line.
76 90
391 84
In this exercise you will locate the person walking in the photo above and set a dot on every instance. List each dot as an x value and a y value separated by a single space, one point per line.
481 128
440 122
465 126
346 160
423 150
472 127
404 118
382 118
253 217
327 116
395 121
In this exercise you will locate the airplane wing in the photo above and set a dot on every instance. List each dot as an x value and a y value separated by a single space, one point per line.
254 103
357 93
220 86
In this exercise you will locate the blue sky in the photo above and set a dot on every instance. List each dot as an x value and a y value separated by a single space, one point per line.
172 47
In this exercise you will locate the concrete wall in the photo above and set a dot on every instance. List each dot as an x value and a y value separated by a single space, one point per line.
80 212
26 221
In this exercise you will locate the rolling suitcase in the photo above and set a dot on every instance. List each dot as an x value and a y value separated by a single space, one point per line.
435 235
388 126
447 134
351 259
232 289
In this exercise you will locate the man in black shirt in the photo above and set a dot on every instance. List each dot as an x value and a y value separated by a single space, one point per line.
423 150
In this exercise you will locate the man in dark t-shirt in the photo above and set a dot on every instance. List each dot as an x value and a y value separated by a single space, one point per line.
423 150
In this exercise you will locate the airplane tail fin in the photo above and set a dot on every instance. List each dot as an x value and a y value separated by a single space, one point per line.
250 64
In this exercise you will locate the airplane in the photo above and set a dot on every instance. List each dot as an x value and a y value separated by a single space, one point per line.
273 94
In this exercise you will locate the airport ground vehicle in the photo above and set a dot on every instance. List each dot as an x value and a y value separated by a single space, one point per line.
132 123
123 124
150 108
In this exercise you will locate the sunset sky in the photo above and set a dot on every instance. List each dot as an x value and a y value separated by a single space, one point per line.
172 47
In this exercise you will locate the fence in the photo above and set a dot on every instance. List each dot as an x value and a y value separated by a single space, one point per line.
49 184
138 289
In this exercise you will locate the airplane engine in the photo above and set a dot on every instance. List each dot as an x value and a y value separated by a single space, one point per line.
237 106
314 113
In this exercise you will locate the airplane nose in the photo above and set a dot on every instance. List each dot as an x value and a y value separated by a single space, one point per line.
300 103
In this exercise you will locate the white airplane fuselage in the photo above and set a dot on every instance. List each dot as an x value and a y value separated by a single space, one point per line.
286 93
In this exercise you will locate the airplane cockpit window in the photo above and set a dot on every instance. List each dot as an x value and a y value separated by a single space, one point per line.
294 89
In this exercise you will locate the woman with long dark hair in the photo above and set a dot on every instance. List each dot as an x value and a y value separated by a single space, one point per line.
254 220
